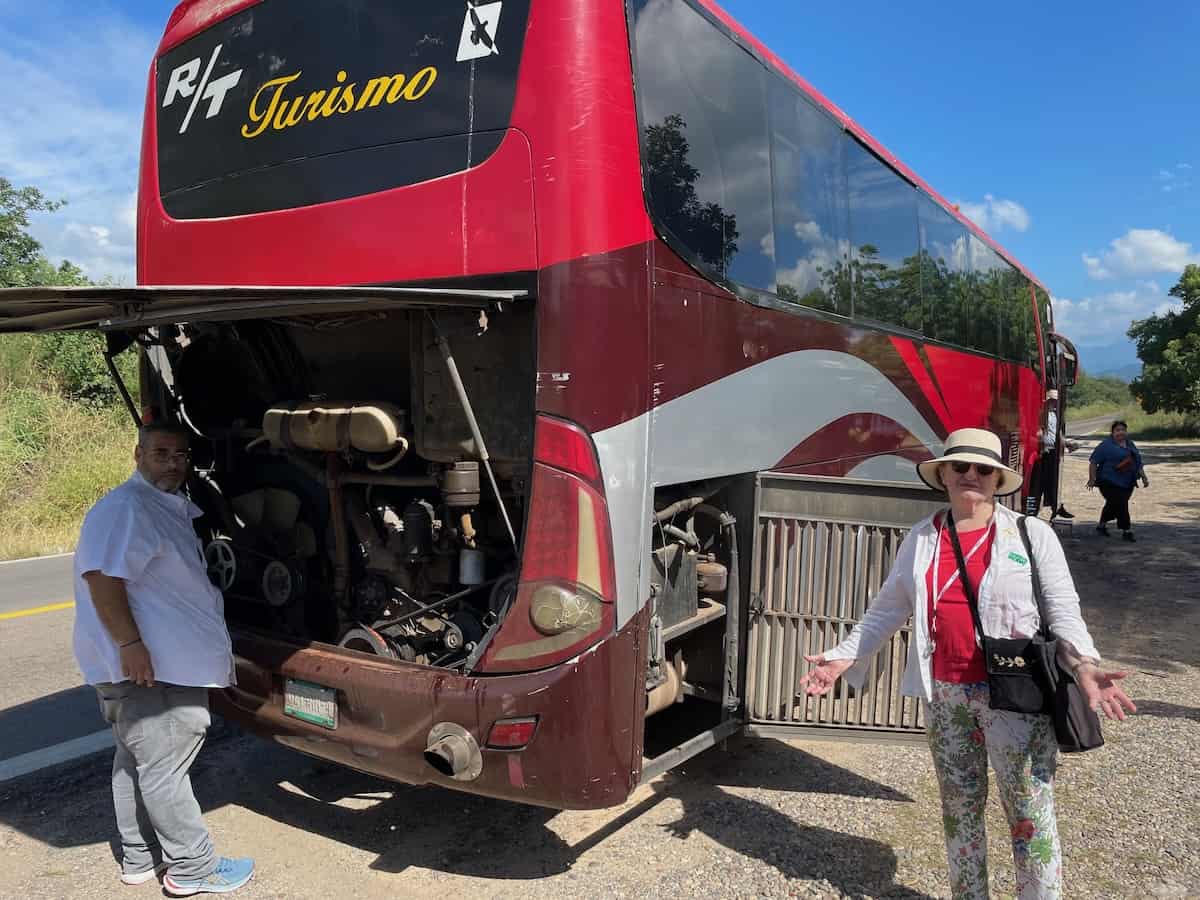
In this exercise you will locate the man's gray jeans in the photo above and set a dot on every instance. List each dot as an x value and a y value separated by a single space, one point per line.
158 730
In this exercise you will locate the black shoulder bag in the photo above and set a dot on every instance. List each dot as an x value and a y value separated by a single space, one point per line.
1023 673
1076 724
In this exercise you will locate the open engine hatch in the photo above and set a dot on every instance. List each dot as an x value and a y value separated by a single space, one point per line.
127 308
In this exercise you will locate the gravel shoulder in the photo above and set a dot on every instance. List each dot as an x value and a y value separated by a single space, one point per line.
756 819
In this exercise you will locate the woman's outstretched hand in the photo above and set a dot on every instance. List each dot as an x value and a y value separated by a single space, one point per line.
823 674
1103 693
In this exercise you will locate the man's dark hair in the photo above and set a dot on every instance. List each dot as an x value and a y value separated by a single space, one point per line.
145 431
1120 423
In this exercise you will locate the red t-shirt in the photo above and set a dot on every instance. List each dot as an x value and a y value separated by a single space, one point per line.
956 656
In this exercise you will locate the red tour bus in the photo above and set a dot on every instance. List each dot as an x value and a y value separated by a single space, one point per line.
556 371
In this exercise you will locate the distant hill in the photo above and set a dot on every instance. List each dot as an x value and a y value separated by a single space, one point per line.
1125 373
1106 359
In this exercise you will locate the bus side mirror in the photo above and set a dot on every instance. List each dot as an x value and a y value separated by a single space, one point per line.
1070 370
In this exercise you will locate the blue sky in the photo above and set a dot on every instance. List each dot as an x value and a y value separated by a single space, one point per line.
1066 130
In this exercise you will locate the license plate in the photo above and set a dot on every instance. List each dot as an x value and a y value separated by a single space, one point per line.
310 702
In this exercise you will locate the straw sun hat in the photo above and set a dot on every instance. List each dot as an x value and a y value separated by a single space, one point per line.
972 445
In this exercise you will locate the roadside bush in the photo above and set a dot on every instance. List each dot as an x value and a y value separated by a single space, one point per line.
57 458
1105 392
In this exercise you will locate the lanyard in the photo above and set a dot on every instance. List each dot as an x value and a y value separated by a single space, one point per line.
939 593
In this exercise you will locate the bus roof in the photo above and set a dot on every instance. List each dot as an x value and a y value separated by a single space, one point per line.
768 57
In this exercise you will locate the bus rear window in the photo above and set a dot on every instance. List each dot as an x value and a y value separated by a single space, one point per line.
295 102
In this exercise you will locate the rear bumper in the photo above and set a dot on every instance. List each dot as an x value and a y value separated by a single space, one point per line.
585 754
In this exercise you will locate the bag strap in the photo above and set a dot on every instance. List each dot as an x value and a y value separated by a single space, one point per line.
968 588
1037 579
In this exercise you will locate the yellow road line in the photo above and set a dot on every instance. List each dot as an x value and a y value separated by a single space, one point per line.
53 607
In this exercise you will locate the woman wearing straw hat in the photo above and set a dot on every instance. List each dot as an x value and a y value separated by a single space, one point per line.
946 668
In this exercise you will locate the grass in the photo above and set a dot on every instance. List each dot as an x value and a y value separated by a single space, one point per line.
57 457
1097 409
1143 426
1160 426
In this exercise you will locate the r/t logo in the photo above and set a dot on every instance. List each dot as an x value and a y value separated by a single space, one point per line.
183 83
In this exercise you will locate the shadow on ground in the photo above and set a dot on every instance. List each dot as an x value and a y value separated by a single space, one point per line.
1141 601
1162 710
49 720
462 834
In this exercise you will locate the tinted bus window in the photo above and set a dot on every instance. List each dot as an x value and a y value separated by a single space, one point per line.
883 235
1017 337
702 101
811 231
292 102
945 272
1043 311
981 315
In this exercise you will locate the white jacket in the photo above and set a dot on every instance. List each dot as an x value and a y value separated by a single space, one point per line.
1006 604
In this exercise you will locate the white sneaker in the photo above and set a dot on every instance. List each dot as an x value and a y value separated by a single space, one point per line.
143 876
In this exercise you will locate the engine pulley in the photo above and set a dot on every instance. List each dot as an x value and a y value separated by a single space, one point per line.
222 563
281 584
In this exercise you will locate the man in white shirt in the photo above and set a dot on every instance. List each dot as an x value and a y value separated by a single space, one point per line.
1050 460
150 635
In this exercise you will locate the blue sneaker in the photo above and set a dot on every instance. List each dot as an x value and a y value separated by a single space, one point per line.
229 875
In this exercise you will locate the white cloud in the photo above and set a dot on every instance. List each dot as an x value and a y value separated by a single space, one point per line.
1172 180
1104 318
1140 251
73 128
996 214
808 272
809 231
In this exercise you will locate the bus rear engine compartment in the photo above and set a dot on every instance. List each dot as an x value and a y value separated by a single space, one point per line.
346 499
693 576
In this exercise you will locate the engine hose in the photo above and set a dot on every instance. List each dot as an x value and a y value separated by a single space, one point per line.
679 506
387 464
679 534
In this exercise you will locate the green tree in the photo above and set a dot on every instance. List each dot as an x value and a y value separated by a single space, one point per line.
71 362
1169 347
703 227
1105 389
22 263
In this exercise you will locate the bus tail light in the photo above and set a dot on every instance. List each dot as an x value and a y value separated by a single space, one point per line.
564 601
512 734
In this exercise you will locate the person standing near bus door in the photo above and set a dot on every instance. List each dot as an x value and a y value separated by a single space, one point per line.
150 636
946 668
1115 467
1049 468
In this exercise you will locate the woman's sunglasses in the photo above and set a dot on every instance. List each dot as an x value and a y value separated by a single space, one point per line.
962 468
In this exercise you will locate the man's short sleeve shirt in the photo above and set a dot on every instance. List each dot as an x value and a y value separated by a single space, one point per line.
144 536
1050 435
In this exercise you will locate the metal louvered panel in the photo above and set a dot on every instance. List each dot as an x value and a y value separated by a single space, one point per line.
822 548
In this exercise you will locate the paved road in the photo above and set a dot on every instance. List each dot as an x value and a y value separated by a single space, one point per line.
43 704
35 582
1087 427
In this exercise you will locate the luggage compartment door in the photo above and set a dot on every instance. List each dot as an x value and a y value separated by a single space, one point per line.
822 548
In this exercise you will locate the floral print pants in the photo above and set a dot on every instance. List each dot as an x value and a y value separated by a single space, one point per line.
964 734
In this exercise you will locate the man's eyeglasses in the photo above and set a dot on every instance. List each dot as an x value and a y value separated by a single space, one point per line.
962 468
182 457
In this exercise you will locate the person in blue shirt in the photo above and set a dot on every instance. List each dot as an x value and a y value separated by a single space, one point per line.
1115 467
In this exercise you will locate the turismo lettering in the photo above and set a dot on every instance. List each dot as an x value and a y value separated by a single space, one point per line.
271 107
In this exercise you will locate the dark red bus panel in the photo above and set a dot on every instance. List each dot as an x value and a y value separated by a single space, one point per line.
583 755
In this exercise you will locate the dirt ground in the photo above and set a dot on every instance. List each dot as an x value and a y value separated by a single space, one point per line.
758 819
